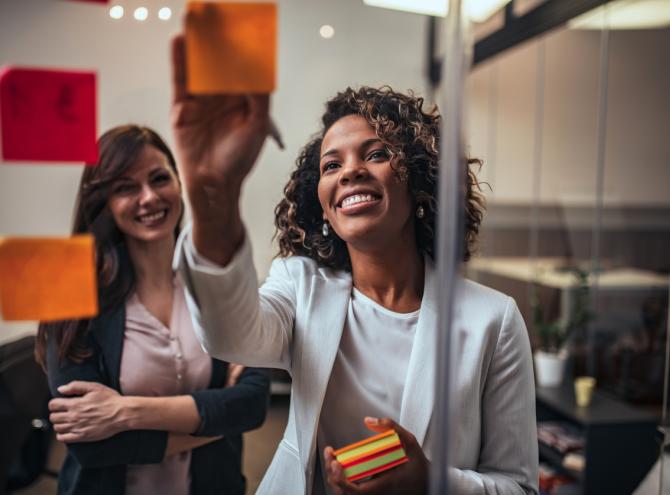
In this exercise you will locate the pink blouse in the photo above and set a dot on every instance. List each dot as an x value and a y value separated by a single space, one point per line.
161 361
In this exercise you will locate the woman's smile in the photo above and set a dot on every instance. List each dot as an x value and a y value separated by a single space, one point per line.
359 191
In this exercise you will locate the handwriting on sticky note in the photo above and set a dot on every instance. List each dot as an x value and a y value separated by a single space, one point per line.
47 279
48 115
231 47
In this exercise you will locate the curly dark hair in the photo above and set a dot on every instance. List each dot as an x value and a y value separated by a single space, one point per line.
411 137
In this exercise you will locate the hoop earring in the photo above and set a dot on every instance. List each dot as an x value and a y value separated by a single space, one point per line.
420 212
325 229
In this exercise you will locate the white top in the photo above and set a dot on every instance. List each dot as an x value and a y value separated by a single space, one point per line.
369 374
295 321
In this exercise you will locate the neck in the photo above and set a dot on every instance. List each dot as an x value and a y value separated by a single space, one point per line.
152 262
392 275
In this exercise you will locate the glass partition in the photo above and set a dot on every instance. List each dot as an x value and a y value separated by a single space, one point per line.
572 131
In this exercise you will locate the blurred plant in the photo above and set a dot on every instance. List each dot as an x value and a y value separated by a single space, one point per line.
554 334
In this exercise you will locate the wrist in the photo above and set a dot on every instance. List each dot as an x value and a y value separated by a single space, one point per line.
130 413
218 241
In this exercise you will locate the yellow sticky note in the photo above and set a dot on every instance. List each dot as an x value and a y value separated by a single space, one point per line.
48 278
231 47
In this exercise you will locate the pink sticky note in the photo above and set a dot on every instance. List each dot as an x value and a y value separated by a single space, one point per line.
48 115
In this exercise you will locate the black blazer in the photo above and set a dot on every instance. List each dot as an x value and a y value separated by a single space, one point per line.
97 468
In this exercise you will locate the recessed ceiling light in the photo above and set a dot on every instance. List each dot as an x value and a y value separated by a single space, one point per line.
327 31
628 14
141 13
116 12
165 13
476 10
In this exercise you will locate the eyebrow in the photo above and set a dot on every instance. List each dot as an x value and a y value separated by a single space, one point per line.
364 144
152 172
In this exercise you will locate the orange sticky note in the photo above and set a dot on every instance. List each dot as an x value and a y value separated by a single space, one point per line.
231 47
48 278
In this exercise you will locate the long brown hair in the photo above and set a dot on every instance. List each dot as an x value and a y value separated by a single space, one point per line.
119 148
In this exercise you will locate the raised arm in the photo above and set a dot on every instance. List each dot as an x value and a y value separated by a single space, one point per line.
218 139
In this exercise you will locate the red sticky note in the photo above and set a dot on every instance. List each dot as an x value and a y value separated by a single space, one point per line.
48 115
231 47
48 279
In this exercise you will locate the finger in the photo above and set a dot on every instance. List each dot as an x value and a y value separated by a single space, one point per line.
59 417
407 439
179 92
234 372
77 388
259 105
380 424
340 480
63 428
329 455
71 437
259 112
56 405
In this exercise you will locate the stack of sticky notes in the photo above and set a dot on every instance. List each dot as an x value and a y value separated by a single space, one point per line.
371 456
47 279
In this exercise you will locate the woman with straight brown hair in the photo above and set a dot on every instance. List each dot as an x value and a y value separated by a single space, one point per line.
140 406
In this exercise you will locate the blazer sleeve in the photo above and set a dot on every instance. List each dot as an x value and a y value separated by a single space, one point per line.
233 410
508 463
128 447
233 319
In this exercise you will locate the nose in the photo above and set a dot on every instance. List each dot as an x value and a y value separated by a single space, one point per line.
353 170
147 195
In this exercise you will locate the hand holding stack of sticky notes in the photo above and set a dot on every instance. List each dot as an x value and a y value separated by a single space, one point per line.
371 456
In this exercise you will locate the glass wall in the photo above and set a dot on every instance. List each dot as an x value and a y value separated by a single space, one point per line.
572 130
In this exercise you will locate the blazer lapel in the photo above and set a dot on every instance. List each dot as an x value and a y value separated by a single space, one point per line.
327 312
419 394
108 331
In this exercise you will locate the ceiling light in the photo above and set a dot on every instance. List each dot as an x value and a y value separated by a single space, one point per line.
625 14
116 12
480 10
164 14
427 7
141 13
477 10
326 31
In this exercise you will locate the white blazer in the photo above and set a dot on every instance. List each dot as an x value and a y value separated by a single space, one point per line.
295 321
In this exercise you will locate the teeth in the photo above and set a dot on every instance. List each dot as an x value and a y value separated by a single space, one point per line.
357 198
153 217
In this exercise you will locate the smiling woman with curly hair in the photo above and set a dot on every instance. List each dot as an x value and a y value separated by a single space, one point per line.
410 136
350 306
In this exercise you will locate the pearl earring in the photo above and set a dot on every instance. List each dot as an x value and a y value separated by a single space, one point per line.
325 230
420 213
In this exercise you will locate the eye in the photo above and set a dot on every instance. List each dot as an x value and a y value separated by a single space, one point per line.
124 188
378 156
161 179
330 166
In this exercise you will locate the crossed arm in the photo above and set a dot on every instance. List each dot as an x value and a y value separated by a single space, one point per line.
92 412
104 428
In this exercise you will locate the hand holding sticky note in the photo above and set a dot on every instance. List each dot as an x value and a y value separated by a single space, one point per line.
371 456
231 47
48 279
